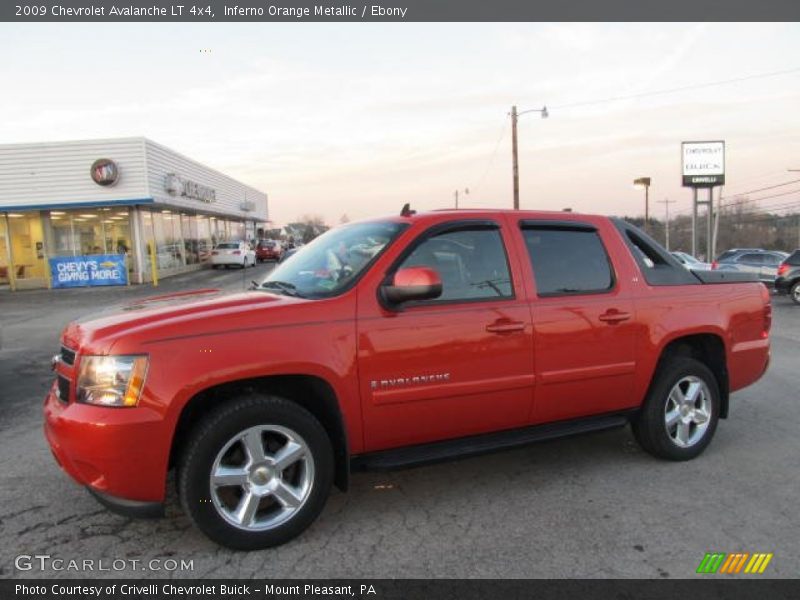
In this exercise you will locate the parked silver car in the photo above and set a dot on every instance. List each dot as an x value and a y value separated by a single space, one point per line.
690 262
763 263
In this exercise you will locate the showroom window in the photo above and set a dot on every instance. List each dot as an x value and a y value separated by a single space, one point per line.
204 242
169 250
4 275
88 231
27 245
237 230
190 246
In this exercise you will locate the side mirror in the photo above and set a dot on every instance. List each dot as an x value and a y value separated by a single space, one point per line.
413 283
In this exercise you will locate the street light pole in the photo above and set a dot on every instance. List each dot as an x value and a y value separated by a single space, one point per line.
514 151
644 182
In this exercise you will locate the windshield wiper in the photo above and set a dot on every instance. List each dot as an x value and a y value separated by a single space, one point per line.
284 287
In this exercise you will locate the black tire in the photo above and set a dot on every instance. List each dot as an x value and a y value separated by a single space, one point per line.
649 426
794 292
212 434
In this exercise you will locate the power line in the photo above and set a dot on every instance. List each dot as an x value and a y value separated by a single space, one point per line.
494 155
747 200
739 199
772 187
678 89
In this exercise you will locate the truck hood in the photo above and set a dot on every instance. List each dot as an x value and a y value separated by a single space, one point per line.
166 311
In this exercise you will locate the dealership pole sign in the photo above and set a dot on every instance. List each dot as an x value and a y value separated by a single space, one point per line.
88 271
703 164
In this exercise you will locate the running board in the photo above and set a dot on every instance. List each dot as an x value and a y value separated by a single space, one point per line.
422 454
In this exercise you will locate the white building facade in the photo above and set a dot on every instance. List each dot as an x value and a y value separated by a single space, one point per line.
126 201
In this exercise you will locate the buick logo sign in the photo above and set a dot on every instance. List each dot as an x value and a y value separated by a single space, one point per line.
104 172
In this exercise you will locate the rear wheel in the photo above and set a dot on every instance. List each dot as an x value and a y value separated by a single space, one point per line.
794 292
681 411
256 473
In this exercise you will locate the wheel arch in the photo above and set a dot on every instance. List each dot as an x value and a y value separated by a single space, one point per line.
311 392
707 348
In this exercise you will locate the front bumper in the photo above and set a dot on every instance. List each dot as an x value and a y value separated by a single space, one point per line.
119 453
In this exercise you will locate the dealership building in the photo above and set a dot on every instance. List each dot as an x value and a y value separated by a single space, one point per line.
134 207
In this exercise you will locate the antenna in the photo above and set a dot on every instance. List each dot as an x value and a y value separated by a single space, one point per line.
406 211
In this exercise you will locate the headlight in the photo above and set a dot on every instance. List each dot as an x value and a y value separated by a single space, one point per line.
111 380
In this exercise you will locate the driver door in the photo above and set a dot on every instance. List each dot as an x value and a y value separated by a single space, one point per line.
454 366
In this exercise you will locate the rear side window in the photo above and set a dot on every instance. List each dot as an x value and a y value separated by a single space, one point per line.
568 261
773 260
794 259
752 259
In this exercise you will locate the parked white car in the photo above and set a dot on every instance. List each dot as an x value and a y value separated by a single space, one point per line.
240 254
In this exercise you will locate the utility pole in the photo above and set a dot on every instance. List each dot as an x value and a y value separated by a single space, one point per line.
666 202
466 193
514 151
514 155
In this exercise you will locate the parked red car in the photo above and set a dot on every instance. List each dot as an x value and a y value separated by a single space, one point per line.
399 341
268 250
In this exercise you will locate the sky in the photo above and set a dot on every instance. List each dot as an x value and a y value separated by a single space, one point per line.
357 119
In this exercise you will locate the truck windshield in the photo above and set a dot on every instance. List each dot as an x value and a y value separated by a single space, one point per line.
333 262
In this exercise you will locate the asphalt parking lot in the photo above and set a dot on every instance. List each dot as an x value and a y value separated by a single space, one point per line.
595 506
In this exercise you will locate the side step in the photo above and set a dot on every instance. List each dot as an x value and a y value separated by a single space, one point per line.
422 454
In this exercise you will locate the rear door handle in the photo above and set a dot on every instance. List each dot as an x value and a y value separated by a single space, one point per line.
505 326
614 316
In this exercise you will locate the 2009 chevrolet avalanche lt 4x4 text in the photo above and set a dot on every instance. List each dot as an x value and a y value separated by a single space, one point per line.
392 342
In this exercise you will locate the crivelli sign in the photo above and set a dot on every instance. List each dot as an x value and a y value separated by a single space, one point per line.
703 163
179 186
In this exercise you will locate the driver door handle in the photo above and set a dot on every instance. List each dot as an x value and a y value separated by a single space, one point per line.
505 326
612 315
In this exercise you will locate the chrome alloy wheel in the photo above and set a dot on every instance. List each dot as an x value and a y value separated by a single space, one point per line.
262 477
796 293
688 411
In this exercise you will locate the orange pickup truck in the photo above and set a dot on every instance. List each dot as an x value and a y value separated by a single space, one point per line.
392 342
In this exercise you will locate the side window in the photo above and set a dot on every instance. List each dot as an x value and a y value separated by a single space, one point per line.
472 264
568 261
772 260
751 259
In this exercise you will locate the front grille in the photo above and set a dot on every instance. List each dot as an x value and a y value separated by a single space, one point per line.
67 356
63 388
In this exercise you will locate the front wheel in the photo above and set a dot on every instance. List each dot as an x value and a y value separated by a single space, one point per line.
681 410
256 473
